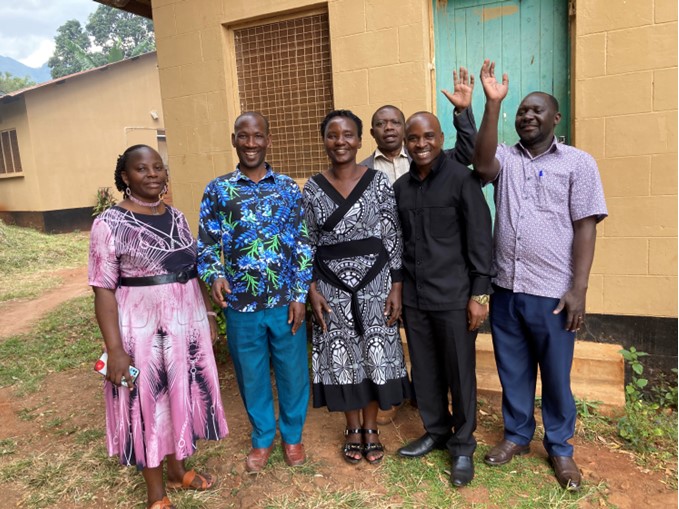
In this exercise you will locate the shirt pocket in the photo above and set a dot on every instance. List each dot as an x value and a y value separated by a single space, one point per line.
553 191
442 222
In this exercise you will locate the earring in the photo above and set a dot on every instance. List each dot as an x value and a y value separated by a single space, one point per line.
127 191
163 192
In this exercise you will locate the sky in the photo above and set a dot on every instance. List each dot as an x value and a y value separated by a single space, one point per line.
28 27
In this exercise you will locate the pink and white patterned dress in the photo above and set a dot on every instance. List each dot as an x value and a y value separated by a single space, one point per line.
164 328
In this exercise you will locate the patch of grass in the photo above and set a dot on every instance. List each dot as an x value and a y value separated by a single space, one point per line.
527 482
7 446
327 499
29 258
81 475
90 436
66 338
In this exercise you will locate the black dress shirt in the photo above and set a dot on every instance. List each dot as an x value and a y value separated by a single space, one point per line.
447 236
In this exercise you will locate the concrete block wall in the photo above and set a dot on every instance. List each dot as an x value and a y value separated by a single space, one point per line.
380 54
625 90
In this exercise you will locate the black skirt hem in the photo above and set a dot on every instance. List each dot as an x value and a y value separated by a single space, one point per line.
345 398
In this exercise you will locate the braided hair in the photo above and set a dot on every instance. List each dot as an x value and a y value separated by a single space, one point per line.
121 163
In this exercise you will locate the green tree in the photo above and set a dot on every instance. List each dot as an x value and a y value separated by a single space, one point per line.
110 35
65 61
10 83
112 28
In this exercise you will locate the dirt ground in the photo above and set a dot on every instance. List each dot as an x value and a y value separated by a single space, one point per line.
77 394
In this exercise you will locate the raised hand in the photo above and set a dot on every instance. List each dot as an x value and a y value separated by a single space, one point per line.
494 90
461 97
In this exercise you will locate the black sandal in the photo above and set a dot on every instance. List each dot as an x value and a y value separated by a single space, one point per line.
352 447
372 447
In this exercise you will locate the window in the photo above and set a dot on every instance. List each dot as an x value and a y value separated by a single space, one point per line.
284 71
10 162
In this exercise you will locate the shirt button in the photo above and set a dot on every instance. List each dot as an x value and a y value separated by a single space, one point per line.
419 262
528 178
518 259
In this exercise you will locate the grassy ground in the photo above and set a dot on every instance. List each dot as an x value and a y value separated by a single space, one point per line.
73 468
62 461
28 260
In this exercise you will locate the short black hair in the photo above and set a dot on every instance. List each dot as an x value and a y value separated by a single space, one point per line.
122 162
342 113
552 100
255 114
386 107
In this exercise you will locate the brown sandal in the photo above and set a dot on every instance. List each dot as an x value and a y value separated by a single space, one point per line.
162 504
187 482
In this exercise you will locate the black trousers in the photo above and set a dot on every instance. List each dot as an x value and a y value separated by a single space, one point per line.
443 358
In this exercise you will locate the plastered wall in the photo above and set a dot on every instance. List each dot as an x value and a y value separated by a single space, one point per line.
624 87
70 134
625 91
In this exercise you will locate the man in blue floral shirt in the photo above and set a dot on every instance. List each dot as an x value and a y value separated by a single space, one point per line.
254 218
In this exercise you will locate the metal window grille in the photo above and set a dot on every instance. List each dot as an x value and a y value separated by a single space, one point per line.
10 161
284 71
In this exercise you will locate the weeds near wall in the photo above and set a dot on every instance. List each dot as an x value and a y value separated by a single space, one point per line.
649 424
104 201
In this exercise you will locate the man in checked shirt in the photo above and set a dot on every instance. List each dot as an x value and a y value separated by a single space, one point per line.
549 199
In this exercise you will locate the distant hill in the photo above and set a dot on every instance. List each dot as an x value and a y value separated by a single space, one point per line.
16 68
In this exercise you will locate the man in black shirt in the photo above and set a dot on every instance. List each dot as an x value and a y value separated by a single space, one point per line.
447 269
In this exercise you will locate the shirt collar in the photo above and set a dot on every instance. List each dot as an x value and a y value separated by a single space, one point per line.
554 147
238 175
379 153
436 167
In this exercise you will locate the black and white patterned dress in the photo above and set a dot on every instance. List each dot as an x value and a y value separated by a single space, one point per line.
357 246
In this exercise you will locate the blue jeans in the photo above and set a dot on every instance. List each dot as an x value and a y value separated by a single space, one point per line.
526 334
256 340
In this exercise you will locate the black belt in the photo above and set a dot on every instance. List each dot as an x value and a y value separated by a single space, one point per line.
371 245
161 279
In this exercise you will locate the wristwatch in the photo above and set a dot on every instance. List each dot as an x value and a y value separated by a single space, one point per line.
481 299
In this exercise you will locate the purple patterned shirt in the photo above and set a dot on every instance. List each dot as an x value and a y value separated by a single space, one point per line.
537 200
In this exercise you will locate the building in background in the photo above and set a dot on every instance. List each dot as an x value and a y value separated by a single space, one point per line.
59 141
611 63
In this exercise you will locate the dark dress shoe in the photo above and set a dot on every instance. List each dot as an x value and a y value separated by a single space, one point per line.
423 445
504 452
567 472
462 471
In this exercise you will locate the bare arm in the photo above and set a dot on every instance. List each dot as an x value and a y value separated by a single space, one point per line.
214 330
584 240
484 160
106 311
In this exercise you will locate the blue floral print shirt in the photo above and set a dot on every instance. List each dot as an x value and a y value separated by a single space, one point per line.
260 230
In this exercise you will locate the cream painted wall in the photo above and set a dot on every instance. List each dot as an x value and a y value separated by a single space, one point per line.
75 131
624 87
380 54
19 192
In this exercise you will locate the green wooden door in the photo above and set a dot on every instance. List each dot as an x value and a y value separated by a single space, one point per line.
527 39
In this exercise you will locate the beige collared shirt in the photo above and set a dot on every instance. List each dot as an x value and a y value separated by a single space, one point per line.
394 169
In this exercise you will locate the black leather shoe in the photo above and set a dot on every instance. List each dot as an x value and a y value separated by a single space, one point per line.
423 445
462 470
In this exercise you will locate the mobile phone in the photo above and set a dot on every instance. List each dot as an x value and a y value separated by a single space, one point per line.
100 367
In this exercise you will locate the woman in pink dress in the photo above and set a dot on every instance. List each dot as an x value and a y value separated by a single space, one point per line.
154 315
